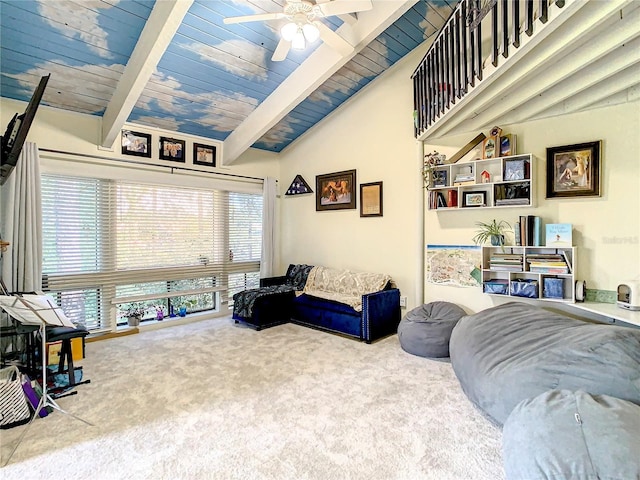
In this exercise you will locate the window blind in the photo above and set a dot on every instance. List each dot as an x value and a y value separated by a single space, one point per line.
105 241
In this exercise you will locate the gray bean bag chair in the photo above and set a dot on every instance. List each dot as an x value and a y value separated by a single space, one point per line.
425 331
507 354
562 434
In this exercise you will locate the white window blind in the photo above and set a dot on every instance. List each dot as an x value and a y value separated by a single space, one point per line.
106 241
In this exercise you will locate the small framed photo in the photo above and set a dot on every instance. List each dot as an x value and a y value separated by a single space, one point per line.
335 191
514 170
371 199
172 149
439 178
204 155
491 147
574 170
474 199
136 143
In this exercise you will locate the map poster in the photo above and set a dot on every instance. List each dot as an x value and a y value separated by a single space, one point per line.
455 265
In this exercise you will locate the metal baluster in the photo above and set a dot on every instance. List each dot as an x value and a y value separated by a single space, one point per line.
544 11
529 14
494 35
478 45
464 46
505 28
515 19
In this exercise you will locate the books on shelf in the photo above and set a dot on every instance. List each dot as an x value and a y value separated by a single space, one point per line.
551 263
530 227
558 235
505 262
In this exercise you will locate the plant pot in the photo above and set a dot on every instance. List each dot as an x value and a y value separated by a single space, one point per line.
497 240
133 321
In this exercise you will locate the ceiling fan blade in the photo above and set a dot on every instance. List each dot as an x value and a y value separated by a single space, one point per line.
281 50
334 40
254 18
339 7
349 18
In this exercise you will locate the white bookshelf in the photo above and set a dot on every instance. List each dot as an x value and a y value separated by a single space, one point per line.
494 275
504 182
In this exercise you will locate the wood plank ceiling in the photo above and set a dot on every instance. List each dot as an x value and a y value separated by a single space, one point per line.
209 79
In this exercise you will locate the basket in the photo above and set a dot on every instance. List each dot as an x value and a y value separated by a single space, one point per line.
14 409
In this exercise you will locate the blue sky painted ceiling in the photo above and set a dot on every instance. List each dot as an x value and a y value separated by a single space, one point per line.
211 76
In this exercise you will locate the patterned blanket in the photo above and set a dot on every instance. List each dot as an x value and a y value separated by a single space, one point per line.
243 301
344 286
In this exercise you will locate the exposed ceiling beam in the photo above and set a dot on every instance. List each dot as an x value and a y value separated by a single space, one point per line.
165 18
320 65
558 65
601 71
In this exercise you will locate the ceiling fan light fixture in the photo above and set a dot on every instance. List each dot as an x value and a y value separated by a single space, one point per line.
288 31
298 42
311 32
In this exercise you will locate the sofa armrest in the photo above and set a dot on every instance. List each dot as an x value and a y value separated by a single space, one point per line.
380 314
270 281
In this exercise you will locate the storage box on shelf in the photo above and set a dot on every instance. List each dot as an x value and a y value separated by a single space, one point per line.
489 183
543 273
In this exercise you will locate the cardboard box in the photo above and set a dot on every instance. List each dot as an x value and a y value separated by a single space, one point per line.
53 351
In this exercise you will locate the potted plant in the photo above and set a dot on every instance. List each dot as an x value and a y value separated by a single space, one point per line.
493 231
134 313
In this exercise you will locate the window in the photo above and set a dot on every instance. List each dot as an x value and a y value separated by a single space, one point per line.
107 243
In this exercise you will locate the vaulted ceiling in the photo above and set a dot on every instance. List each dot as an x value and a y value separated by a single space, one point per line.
174 64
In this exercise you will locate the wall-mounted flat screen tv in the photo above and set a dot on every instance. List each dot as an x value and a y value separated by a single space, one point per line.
17 130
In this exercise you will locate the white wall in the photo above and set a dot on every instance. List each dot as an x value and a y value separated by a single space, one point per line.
373 134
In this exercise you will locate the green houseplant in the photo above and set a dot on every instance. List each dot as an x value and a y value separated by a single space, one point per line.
134 313
493 231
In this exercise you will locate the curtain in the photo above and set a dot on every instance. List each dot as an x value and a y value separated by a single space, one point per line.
22 223
268 227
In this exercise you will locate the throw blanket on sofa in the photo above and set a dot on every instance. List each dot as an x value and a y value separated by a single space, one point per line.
243 301
344 286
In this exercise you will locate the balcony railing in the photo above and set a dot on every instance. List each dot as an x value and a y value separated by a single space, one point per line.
457 58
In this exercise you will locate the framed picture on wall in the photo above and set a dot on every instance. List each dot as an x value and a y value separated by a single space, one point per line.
204 155
172 149
574 170
136 143
371 199
336 191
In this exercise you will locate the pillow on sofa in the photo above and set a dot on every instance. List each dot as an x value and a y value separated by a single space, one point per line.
564 434
297 275
507 354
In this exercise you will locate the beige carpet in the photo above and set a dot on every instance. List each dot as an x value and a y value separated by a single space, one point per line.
213 400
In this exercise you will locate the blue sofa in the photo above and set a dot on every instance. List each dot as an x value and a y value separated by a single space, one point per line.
379 317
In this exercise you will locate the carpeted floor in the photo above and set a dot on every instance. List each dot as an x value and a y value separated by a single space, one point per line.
214 400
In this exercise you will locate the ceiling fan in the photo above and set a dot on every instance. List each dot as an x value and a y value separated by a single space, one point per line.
303 27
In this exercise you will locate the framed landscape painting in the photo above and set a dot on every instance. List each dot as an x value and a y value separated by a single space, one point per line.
574 170
336 191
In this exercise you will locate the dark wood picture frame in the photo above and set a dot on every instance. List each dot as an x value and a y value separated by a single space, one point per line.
371 199
204 155
336 191
135 143
574 170
477 198
172 149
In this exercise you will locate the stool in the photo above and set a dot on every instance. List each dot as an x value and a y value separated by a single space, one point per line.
65 335
426 330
